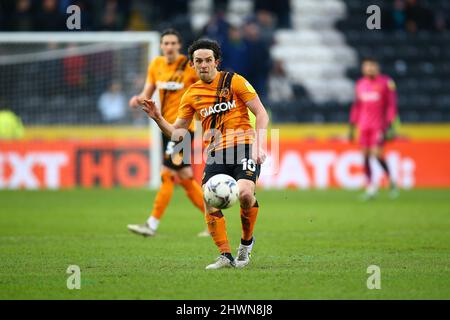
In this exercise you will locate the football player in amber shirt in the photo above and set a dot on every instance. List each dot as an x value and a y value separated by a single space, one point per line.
222 100
170 74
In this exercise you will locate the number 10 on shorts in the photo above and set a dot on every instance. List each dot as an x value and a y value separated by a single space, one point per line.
248 164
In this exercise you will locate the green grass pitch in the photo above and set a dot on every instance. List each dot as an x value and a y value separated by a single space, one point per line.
309 245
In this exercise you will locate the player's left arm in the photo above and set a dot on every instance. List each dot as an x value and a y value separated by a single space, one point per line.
244 90
391 106
262 120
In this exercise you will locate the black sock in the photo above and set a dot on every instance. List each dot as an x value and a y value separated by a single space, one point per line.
385 167
228 255
367 169
246 242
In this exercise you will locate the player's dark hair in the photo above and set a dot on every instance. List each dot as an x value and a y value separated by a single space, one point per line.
205 44
369 59
172 31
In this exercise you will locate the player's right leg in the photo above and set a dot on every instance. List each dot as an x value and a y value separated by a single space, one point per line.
371 187
366 141
216 223
161 201
378 152
218 231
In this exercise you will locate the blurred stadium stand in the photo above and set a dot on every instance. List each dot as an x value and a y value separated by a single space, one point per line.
309 48
413 49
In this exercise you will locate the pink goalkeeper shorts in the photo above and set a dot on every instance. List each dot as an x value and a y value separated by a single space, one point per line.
370 138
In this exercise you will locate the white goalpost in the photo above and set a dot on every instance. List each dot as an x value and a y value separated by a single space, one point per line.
57 78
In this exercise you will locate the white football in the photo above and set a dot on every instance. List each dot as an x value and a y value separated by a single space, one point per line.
221 191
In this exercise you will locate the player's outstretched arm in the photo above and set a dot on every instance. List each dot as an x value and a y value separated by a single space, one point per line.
168 129
392 108
146 93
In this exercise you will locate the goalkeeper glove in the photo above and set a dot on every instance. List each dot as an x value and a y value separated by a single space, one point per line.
351 133
389 133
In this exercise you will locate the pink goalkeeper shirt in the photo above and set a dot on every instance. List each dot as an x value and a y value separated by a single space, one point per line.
375 105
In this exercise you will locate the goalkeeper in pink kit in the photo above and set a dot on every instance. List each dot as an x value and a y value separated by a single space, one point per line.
373 113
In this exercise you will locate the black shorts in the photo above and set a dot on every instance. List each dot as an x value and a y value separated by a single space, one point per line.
236 163
174 162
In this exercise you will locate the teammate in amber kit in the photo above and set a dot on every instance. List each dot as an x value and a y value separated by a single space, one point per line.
373 112
222 100
171 74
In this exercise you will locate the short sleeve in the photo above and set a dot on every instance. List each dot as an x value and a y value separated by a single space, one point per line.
151 71
243 89
186 110
391 85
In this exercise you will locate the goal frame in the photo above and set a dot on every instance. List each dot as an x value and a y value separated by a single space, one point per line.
150 37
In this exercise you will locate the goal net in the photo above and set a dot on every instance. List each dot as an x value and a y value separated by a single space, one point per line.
76 85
